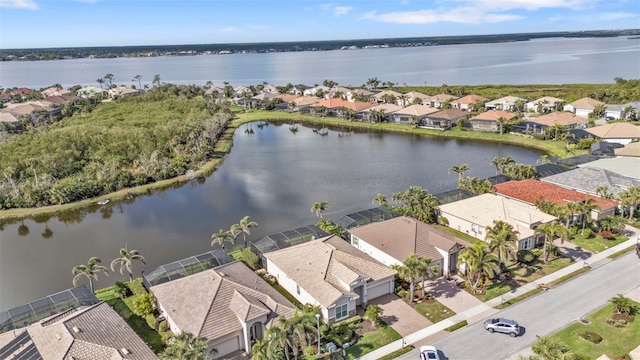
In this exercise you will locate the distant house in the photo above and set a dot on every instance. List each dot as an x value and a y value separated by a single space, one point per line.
303 103
314 90
89 92
415 97
34 109
418 112
229 305
529 191
538 125
582 107
544 105
214 91
123 92
385 96
621 133
372 113
352 95
55 91
588 179
489 120
338 107
623 111
507 103
437 101
341 92
631 149
91 332
625 166
474 215
443 119
332 274
392 241
468 102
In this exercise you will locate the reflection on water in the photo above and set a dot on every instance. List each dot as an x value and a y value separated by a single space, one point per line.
274 175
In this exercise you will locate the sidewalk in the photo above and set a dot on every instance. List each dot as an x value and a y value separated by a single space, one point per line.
481 311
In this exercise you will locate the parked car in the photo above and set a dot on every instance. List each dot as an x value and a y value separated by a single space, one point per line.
428 352
502 325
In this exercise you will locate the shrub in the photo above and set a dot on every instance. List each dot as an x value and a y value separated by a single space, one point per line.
121 290
536 252
136 287
143 305
525 257
310 350
403 294
591 337
588 233
152 321
250 258
626 317
607 234
163 326
339 334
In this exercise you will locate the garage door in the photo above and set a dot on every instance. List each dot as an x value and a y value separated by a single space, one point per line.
227 346
377 290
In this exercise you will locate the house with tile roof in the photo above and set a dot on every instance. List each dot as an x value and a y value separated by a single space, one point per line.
378 113
507 103
381 97
490 121
229 305
338 107
538 124
437 101
443 119
315 90
92 332
474 215
625 166
530 190
391 241
332 274
214 91
419 112
414 97
623 111
123 92
303 103
543 105
582 107
468 102
621 133
588 179
359 93
631 149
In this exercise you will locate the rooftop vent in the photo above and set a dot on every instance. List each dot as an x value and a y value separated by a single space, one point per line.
124 351
76 329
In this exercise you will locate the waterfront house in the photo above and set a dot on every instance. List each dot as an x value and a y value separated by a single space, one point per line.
417 112
490 121
387 96
303 103
332 274
588 179
620 133
628 111
538 125
507 103
378 113
467 103
338 107
437 101
582 107
529 191
391 241
443 119
474 215
544 105
229 305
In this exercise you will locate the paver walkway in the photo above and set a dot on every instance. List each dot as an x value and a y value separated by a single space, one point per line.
478 312
400 315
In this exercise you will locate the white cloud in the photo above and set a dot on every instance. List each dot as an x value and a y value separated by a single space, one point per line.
18 4
465 15
341 10
616 16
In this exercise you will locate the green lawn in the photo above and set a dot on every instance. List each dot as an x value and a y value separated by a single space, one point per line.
373 340
616 342
597 244
433 311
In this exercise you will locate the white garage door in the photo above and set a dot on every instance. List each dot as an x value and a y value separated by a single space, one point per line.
228 346
377 290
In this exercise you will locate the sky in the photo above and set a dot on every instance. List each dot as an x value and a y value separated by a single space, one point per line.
80 23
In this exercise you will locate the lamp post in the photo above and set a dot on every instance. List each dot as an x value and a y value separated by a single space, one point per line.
318 326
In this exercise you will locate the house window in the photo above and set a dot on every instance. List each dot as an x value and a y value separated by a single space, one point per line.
356 242
342 311
298 289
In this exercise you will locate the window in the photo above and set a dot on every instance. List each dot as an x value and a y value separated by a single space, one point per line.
356 242
342 311
298 289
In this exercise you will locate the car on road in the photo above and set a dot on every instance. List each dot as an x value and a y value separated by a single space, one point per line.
428 352
502 325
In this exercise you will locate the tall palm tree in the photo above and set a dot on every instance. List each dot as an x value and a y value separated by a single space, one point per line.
411 269
90 271
630 199
188 347
319 207
550 231
586 207
480 262
460 170
259 350
503 238
109 77
496 161
125 260
245 226
220 237
381 200
100 81
138 78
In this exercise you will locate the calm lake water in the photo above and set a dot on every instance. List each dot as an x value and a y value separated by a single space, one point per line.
274 176
540 61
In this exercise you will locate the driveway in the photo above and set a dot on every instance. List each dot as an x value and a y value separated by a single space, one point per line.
450 295
399 315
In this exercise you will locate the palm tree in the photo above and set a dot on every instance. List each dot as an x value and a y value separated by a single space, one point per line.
245 226
259 350
630 199
319 207
109 77
156 80
586 207
220 237
547 348
611 223
381 200
125 260
460 170
503 238
622 305
411 269
550 231
480 262
90 271
100 81
188 347
138 77
496 161
573 208
603 192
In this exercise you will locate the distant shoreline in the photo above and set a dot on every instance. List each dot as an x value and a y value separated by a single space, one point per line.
63 53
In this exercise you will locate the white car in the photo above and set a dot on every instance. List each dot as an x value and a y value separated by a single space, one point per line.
428 352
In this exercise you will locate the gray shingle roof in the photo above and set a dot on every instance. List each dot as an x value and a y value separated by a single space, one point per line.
588 180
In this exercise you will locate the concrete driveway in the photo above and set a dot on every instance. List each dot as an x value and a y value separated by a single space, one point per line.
399 315
450 295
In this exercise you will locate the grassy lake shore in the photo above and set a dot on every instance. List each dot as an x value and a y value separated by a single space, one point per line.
224 145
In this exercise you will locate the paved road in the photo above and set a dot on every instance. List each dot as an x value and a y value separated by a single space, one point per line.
544 313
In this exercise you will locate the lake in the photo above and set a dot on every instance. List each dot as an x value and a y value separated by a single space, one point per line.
540 61
273 175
